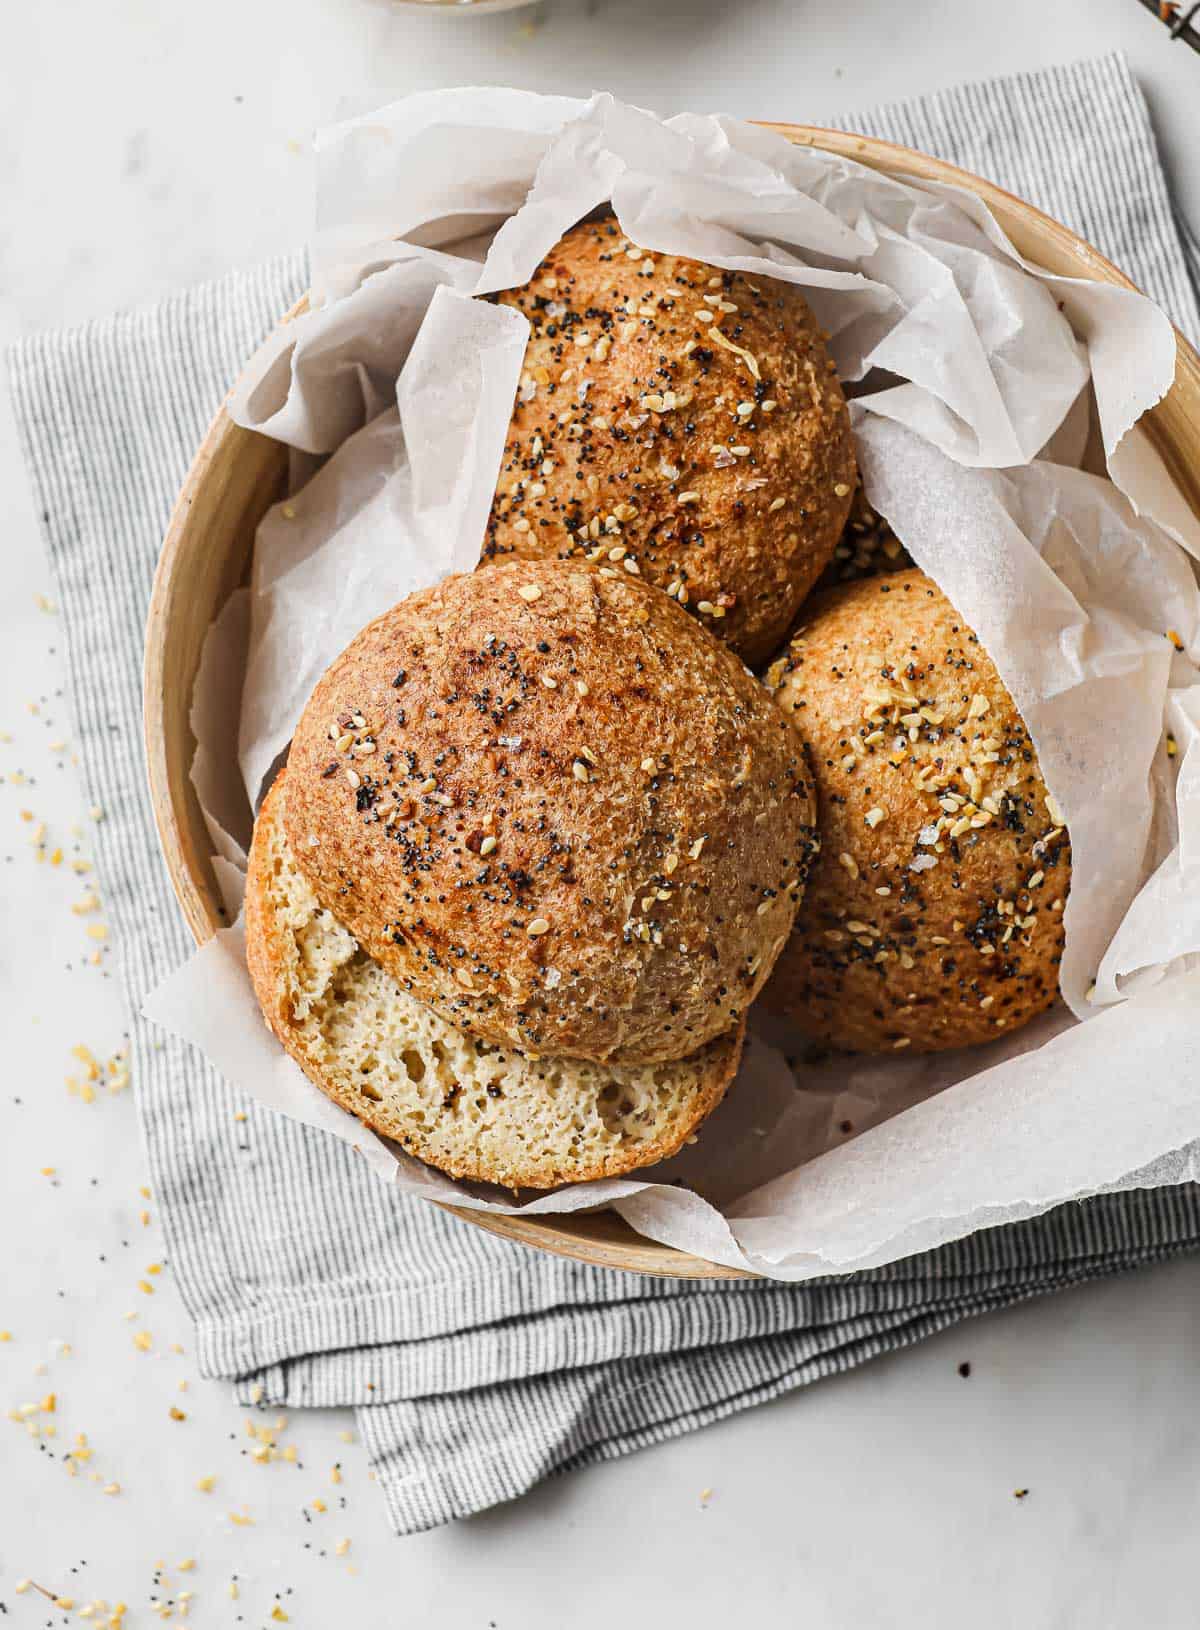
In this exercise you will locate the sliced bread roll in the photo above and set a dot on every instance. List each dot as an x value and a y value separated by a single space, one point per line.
555 811
469 1108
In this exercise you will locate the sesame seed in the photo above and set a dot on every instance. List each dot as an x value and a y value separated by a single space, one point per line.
776 505
429 783
874 816
648 765
769 405
488 844
539 926
696 848
848 863
705 607
841 490
521 525
549 681
979 706
745 409
689 497
581 686
530 592
580 770
353 777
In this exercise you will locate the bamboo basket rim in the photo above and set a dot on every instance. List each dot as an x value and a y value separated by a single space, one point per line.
601 1237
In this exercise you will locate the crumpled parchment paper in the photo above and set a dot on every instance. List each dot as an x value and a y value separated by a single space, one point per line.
980 387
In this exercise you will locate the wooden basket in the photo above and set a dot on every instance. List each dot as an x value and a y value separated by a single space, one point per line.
238 474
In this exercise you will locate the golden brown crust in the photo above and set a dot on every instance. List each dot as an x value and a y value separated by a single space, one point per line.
263 954
494 1139
556 811
933 917
687 417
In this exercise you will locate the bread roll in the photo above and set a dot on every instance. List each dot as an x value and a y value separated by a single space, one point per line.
934 916
556 811
455 1102
685 420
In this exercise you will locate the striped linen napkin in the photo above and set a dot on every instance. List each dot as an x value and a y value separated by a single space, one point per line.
478 1367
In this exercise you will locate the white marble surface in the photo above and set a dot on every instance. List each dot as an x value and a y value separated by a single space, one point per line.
146 146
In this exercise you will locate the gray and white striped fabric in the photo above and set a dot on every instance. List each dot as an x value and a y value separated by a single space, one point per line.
479 1367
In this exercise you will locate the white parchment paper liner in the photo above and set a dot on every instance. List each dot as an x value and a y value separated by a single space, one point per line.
967 365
